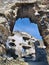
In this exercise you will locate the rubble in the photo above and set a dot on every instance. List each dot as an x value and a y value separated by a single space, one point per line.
18 47
4 61
17 41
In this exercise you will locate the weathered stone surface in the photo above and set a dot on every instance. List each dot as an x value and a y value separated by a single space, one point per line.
4 61
3 33
47 39
4 29
2 50
15 9
22 43
6 4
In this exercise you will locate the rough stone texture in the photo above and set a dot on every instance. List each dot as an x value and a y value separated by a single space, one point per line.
4 29
22 8
6 4
4 61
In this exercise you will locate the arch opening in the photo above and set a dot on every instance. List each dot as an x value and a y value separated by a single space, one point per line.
25 25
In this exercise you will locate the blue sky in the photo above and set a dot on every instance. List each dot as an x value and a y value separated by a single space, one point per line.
23 24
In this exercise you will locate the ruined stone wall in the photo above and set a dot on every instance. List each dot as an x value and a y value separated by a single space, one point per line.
26 10
15 10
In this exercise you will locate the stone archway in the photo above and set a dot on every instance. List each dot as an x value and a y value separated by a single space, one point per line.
43 27
27 10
